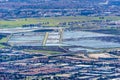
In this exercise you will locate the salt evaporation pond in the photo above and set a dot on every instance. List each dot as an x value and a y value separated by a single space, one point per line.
35 40
81 34
93 44
86 42
83 49
26 38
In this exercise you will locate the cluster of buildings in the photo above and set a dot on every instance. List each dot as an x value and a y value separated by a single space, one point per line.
11 9
67 66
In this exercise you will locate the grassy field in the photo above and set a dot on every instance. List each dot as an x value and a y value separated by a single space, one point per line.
43 51
2 46
3 40
53 21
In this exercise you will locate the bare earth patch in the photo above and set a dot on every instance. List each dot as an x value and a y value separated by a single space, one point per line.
100 55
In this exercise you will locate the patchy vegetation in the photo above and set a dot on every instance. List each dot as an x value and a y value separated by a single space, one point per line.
52 21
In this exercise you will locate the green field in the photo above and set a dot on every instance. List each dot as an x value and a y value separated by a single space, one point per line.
43 51
53 21
3 40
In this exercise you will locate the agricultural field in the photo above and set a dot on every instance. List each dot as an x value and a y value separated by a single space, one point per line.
3 40
51 21
43 51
